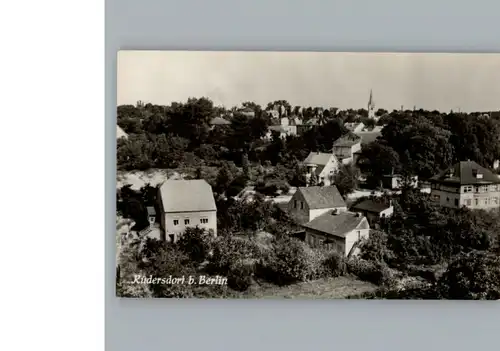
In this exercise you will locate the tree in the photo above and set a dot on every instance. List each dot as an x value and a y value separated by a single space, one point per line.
224 178
347 179
378 160
195 242
246 166
474 276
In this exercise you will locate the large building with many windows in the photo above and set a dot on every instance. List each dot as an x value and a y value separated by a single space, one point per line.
466 184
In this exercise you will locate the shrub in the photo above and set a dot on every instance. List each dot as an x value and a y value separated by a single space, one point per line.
335 265
228 250
195 242
240 275
373 272
289 261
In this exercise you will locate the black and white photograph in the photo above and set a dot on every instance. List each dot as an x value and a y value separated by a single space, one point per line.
307 175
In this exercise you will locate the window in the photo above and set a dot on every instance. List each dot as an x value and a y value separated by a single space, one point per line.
359 234
468 189
204 220
484 188
477 202
495 200
186 221
468 202
176 221
301 205
477 189
456 202
295 203
486 201
447 199
435 197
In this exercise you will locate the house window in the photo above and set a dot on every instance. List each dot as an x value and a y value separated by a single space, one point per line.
204 220
495 199
468 189
359 234
456 202
484 188
477 202
468 202
295 203
176 221
447 199
435 197
477 189
301 205
486 201
186 221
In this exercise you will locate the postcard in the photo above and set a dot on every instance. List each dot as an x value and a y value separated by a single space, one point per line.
308 175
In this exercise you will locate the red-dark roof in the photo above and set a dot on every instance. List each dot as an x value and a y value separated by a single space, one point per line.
466 173
369 205
319 197
337 224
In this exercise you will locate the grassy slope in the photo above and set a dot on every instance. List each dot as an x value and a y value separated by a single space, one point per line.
328 288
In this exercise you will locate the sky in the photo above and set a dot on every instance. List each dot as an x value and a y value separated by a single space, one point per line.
444 82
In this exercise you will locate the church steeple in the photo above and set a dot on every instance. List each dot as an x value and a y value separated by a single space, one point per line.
371 106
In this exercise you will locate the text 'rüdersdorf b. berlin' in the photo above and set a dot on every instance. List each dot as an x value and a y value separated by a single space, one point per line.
189 280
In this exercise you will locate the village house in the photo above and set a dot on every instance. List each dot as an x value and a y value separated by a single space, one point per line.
355 126
120 133
308 203
219 121
466 184
336 230
186 203
346 147
394 181
373 210
285 126
247 111
323 165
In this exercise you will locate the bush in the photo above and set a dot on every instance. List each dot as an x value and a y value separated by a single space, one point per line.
240 275
288 262
195 242
335 265
228 250
373 272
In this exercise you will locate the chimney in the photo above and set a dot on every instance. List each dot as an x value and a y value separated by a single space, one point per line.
357 214
335 212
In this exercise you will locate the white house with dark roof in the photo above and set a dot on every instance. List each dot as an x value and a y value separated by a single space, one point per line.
466 184
355 126
120 133
336 230
186 203
345 147
324 165
308 203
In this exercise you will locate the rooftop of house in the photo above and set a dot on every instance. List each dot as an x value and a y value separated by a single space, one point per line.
120 133
368 137
337 224
466 173
370 205
277 128
318 158
319 197
353 125
187 196
219 121
346 140
247 110
151 211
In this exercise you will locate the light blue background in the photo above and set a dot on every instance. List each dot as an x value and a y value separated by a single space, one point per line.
382 25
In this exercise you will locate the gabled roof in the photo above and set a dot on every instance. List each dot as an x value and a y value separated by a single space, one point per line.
219 121
319 197
371 206
120 133
337 224
348 139
187 195
465 173
318 158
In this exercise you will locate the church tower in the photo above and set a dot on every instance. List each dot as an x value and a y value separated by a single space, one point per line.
371 106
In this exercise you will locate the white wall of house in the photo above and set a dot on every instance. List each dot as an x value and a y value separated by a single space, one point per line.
203 219
326 174
346 152
354 235
475 197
